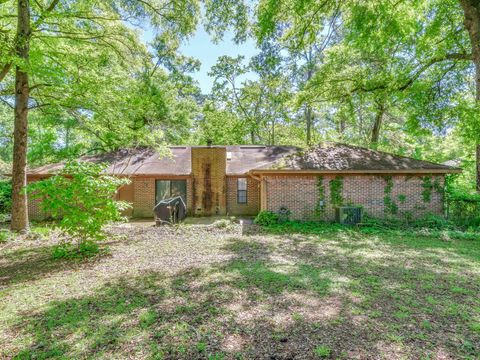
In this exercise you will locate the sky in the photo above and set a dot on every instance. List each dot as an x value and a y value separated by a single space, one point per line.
201 47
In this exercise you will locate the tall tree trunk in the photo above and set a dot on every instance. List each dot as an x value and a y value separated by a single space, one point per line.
377 125
308 121
19 176
471 10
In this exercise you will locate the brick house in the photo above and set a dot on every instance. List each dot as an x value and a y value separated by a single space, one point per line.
242 180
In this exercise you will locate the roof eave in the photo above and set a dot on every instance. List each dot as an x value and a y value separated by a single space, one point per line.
371 171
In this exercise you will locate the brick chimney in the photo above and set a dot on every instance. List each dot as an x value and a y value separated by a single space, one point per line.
209 182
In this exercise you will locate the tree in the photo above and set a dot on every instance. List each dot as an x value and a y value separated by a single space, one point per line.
36 50
82 197
389 52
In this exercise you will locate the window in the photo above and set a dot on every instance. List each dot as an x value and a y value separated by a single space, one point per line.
165 189
242 190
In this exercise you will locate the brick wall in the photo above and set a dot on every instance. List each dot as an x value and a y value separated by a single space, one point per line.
300 194
252 207
35 211
208 171
144 196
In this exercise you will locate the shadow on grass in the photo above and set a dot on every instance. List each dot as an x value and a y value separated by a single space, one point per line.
25 265
275 301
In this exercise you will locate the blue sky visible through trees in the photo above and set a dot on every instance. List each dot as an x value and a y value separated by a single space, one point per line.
201 47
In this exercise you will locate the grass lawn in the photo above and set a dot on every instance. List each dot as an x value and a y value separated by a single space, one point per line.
210 292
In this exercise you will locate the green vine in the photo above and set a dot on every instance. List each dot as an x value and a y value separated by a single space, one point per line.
320 208
390 205
437 186
427 189
336 191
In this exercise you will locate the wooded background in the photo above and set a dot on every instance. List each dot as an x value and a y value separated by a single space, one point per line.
399 76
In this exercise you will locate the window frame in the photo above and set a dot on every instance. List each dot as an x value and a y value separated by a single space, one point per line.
170 188
242 194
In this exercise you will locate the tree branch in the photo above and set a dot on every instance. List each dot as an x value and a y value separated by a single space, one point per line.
5 70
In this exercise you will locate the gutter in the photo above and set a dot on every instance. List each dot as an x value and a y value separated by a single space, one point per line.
370 172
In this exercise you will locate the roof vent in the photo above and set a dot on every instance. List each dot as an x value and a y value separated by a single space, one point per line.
229 155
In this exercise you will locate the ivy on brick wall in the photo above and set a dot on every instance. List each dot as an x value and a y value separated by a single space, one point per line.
320 208
390 205
438 187
336 191
427 189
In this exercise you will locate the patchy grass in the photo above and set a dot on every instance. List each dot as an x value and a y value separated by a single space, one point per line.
215 292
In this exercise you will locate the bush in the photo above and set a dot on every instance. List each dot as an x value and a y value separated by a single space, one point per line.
463 209
4 235
82 198
5 197
266 218
70 251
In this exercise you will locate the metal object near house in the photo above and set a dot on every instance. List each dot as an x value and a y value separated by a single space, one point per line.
349 215
170 211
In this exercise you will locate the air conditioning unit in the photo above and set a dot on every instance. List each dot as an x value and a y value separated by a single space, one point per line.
349 215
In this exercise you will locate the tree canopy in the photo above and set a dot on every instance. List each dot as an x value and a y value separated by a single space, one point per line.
399 76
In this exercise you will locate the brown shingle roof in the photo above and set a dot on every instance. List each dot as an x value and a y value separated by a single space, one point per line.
243 158
148 162
142 161
341 157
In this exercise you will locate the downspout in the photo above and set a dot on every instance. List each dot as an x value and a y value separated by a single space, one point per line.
263 198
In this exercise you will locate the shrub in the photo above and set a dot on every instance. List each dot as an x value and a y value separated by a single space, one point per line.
82 198
463 208
4 235
5 197
266 218
67 250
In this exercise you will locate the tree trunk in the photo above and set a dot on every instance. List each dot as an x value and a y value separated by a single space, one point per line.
308 121
19 176
471 10
377 124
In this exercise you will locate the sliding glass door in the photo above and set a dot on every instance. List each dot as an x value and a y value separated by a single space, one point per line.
165 189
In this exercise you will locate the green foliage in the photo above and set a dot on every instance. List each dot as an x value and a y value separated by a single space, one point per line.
322 351
427 189
304 227
390 205
321 205
5 196
5 235
266 218
463 208
220 127
402 198
336 191
66 250
82 197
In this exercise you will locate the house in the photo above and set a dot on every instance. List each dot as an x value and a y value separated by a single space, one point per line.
242 180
